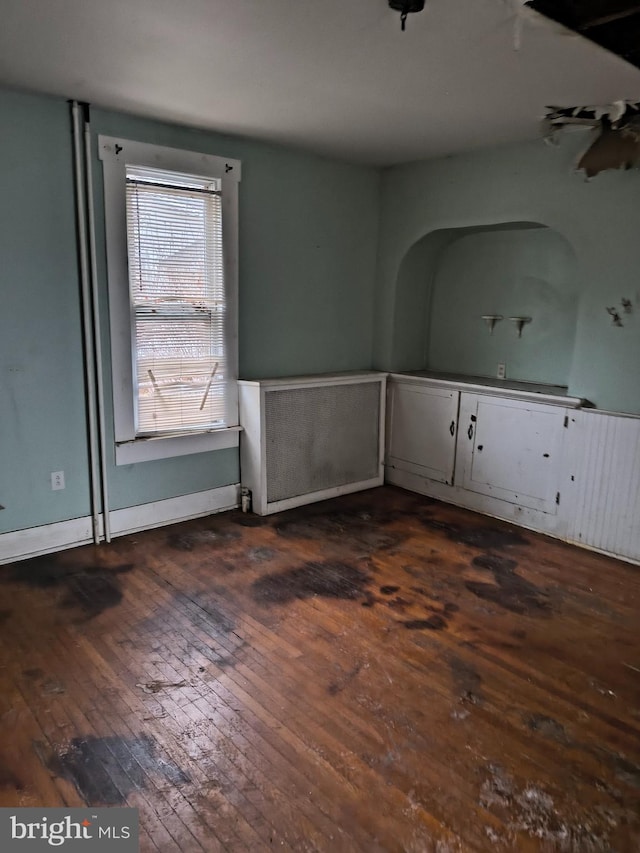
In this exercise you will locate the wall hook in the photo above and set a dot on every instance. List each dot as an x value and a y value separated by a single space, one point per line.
520 322
491 320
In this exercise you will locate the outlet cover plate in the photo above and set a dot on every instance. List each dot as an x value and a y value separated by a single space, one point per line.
57 480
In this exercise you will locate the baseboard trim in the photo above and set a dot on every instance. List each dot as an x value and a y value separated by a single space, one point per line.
532 519
34 541
48 538
314 497
171 511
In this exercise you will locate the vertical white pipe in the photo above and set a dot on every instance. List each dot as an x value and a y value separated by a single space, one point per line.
87 326
102 447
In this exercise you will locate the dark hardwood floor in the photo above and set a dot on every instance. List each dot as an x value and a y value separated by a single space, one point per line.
376 673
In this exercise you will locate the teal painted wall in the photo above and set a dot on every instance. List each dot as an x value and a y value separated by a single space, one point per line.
42 407
308 236
600 220
308 241
309 228
520 272
413 297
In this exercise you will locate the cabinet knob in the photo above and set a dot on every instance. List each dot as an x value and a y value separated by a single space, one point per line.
470 432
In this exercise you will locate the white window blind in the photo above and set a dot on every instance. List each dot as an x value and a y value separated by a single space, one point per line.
177 293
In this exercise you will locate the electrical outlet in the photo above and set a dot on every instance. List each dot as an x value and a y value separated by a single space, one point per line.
502 370
57 480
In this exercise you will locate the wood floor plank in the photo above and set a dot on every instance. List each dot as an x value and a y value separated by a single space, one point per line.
376 673
277 699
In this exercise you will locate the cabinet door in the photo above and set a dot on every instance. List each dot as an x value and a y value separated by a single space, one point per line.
421 430
510 450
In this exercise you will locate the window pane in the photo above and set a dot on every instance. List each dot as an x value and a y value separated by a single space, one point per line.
181 372
174 231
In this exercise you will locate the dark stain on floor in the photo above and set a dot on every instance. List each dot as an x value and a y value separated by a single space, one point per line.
488 538
370 599
93 591
211 613
8 778
33 673
4 615
198 538
47 685
106 770
424 573
485 538
204 610
89 589
466 680
214 637
261 555
433 623
432 523
361 530
625 771
549 728
343 680
511 591
398 602
330 579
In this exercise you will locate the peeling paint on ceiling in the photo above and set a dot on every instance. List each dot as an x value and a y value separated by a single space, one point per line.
613 24
617 145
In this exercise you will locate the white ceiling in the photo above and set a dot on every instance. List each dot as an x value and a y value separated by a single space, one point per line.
333 76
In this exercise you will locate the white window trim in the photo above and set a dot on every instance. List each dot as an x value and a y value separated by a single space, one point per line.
115 155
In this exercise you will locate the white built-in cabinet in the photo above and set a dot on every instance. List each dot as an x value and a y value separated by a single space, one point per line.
495 450
536 457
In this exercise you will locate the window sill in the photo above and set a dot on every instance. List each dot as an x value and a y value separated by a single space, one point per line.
166 447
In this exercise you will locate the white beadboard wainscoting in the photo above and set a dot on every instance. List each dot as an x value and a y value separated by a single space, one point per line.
602 509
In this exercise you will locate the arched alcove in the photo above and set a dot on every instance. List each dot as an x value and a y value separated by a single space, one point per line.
451 277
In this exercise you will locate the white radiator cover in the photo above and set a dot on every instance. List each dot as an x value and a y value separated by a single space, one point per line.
309 438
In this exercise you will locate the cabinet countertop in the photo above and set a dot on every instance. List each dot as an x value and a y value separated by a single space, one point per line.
550 394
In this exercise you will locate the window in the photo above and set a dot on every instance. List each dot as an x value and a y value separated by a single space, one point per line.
171 227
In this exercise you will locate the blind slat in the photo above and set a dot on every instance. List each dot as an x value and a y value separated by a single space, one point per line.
174 233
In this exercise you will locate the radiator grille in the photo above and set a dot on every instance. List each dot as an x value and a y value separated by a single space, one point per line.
319 438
